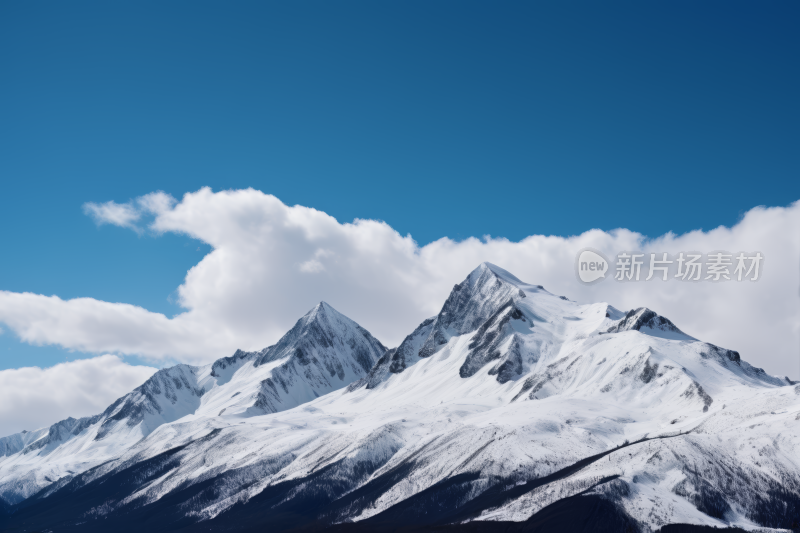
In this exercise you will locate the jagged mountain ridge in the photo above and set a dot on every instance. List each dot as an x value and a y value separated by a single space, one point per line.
543 403
324 351
469 306
13 443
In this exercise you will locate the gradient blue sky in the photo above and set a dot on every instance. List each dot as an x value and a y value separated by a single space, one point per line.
445 118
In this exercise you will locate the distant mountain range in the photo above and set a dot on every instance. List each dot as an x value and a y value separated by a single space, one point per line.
513 409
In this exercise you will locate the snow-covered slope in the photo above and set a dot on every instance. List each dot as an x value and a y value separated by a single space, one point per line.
511 405
14 443
323 352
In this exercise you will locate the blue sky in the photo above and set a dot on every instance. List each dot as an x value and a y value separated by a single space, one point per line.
449 119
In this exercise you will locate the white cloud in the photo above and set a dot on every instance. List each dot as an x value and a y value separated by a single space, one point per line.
128 214
315 265
33 397
156 202
124 215
270 263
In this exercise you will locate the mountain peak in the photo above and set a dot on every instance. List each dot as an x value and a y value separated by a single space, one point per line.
647 321
484 292
323 319
325 350
490 268
322 311
320 327
322 307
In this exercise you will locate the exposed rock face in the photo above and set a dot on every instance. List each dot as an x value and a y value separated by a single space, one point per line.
168 395
636 319
471 303
495 339
321 337
409 349
61 432
224 364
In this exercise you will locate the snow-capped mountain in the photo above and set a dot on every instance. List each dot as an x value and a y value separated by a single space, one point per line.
323 352
512 409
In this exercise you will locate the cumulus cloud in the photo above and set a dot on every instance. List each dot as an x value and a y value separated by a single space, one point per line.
33 397
270 263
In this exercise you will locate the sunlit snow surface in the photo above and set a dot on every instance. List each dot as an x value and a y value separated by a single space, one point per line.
514 383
